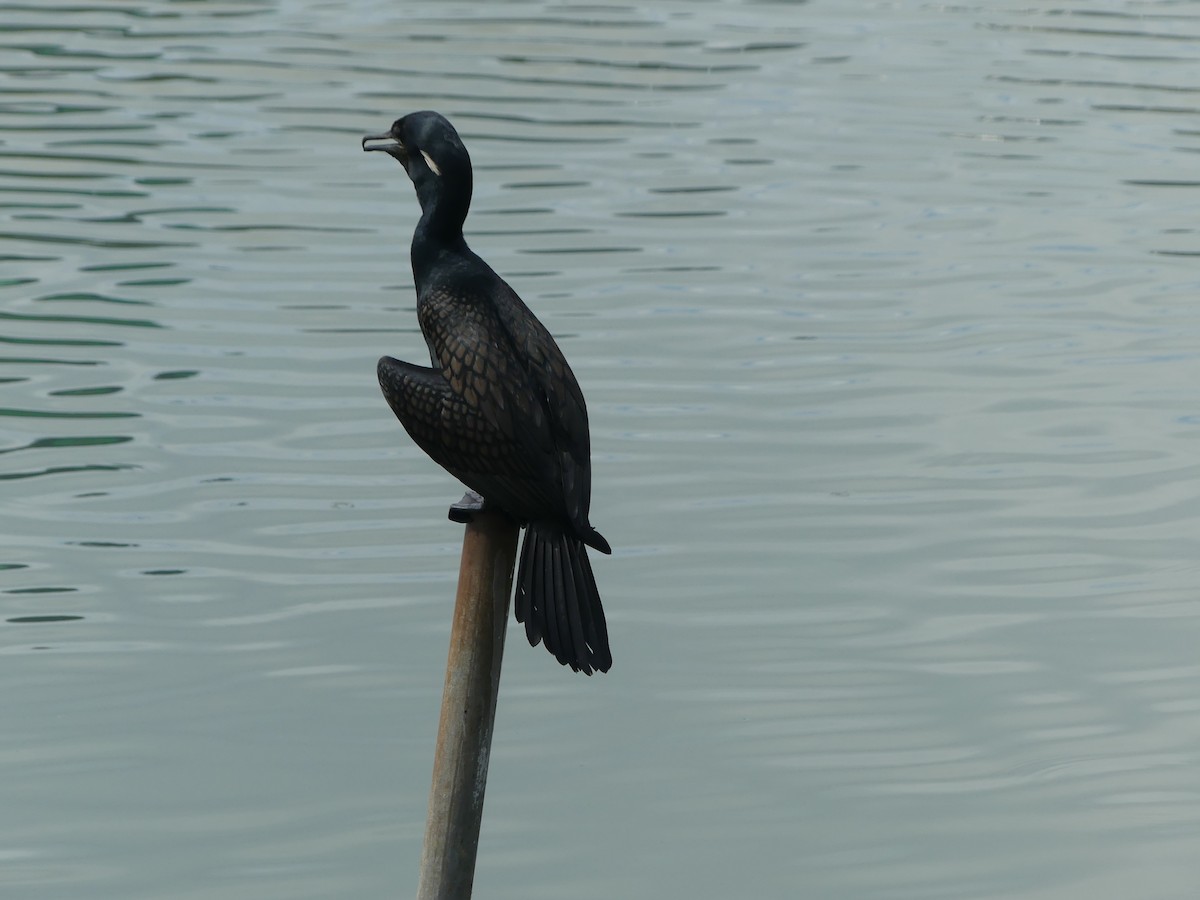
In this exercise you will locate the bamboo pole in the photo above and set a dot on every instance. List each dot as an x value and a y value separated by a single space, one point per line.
468 703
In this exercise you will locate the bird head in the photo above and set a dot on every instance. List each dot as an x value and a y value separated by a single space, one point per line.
430 150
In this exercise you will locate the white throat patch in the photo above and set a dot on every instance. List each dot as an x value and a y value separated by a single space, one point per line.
433 167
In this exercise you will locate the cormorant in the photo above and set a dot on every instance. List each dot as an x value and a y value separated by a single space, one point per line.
500 409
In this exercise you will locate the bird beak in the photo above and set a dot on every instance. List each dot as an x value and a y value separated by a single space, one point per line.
393 148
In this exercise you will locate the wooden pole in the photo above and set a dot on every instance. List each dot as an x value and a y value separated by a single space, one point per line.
468 702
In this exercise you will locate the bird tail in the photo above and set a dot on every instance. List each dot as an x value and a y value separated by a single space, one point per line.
558 601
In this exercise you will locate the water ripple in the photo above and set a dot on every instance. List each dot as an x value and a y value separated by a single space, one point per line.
887 328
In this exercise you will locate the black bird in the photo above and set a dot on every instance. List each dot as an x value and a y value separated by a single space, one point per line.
500 409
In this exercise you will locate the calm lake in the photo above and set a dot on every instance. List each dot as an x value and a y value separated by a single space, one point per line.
888 317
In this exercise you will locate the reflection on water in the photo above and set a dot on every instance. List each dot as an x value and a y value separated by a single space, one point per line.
887 323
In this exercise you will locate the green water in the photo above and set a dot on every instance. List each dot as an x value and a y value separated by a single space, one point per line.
886 316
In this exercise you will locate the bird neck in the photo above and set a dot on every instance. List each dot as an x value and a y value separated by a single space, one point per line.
444 205
443 212
431 248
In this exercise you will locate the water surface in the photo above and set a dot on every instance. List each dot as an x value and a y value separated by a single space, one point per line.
886 318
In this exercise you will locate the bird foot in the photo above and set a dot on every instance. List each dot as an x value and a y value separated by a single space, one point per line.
465 509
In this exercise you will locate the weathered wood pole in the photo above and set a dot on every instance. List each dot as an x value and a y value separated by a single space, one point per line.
468 702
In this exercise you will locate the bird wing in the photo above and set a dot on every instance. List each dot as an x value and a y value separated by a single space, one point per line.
507 368
456 427
557 392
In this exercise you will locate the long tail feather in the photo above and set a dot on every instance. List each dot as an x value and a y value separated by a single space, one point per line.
522 602
558 602
561 618
596 628
550 635
574 600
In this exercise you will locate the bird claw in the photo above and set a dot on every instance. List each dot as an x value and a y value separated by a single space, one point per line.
465 509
